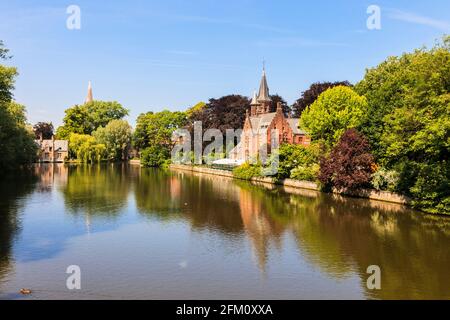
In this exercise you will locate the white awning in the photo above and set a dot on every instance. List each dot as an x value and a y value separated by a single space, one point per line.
236 162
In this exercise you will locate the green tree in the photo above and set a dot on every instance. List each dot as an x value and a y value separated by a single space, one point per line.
310 95
157 128
198 107
116 136
154 156
4 52
102 112
409 99
408 122
75 142
86 118
298 162
16 137
85 148
336 110
7 79
247 171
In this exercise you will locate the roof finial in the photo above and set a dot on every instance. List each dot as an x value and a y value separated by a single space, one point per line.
264 65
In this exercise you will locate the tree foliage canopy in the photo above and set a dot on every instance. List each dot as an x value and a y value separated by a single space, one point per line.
310 95
116 137
86 118
408 122
274 99
157 128
44 129
227 112
409 105
198 107
16 137
293 158
335 111
85 148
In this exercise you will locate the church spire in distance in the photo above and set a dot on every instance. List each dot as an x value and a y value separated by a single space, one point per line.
89 97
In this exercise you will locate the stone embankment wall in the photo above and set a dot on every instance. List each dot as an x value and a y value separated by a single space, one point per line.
290 184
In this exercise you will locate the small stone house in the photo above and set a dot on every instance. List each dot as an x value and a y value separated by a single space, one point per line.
51 150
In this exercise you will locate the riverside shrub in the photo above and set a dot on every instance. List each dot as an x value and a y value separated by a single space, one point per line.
154 156
298 162
247 171
350 164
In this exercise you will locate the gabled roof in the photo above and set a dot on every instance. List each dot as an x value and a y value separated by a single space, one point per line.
59 145
294 123
261 123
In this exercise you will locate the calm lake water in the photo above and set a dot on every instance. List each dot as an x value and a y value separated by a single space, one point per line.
152 234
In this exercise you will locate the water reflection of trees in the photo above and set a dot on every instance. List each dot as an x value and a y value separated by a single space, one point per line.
13 192
339 235
96 190
203 201
411 251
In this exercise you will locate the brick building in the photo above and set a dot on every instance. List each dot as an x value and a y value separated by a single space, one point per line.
259 123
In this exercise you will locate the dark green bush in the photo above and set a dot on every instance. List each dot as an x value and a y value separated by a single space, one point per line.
154 156
431 189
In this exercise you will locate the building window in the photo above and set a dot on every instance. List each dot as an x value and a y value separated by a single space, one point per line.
50 149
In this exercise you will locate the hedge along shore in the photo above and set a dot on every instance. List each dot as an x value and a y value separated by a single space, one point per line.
289 184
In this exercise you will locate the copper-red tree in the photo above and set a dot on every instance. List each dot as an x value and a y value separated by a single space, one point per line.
350 164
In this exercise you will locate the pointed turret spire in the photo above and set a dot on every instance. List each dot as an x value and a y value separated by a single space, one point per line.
89 97
263 95
254 99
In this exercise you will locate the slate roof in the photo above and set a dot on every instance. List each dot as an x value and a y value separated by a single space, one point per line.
60 145
295 125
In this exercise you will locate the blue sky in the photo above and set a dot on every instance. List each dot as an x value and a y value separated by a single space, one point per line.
153 55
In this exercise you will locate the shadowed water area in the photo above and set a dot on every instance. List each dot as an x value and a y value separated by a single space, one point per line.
153 234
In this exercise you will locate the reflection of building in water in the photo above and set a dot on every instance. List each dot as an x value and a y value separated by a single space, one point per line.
175 187
258 226
260 229
51 173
